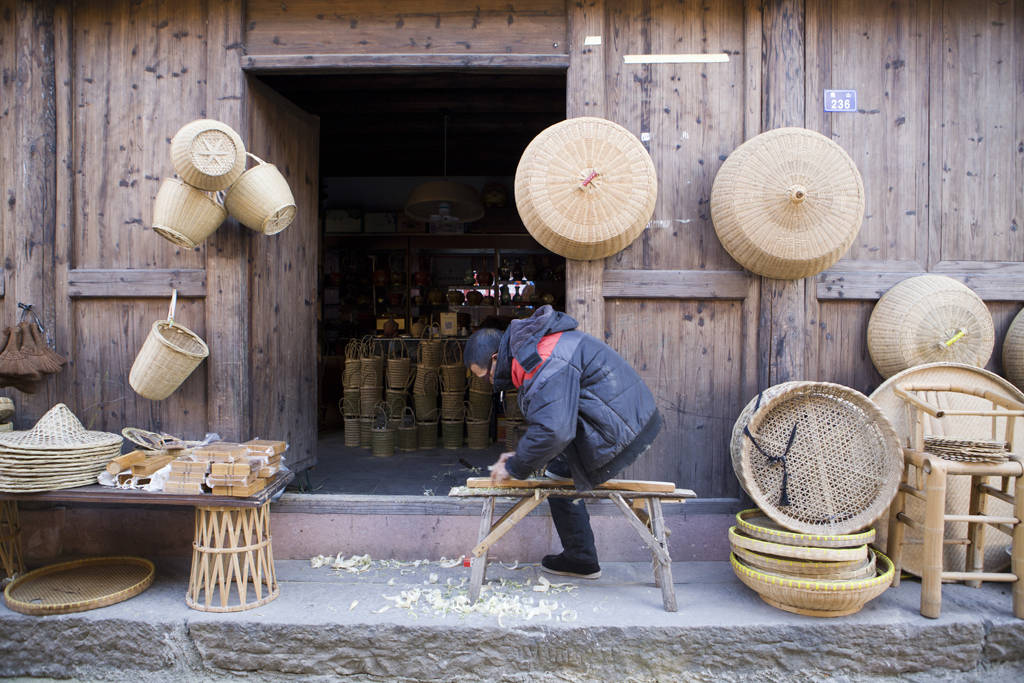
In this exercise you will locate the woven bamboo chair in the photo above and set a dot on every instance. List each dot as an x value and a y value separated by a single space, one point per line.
926 475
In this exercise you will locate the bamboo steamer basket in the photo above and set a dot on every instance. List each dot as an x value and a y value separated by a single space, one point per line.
816 598
825 571
426 434
261 200
756 524
585 188
787 203
929 319
452 434
168 356
478 434
208 154
185 215
352 437
958 489
842 465
738 539
1013 351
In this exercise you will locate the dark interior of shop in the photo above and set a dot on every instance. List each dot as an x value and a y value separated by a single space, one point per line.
420 240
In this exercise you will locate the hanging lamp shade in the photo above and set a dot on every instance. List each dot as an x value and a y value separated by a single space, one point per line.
787 203
444 201
585 188
927 319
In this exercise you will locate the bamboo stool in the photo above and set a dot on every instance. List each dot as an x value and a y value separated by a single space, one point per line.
231 553
11 562
531 493
924 404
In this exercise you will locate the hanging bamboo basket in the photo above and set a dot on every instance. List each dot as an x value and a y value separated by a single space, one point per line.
261 200
208 154
788 203
585 188
929 319
11 562
185 215
168 356
1013 351
426 434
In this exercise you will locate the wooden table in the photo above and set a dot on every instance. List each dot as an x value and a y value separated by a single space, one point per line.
232 544
531 493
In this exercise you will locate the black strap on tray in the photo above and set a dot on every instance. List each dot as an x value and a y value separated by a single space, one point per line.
784 496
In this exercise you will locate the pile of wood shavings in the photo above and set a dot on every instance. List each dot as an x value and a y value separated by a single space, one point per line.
357 564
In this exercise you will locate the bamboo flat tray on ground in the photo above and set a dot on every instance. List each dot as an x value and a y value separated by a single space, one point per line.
79 585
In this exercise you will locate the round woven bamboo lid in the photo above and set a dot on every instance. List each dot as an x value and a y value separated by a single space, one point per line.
585 188
79 585
928 319
787 203
1013 351
816 457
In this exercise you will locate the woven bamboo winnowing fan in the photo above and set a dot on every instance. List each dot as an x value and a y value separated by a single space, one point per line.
787 203
585 188
929 319
1013 351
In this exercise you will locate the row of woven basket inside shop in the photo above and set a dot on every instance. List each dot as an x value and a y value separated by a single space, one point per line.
922 476
402 393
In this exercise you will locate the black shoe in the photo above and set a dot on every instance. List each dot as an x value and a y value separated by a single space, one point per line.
557 564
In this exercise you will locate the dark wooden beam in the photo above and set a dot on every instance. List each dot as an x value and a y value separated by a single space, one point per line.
135 283
676 284
340 63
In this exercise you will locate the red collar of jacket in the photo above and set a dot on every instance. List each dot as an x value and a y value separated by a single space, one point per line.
544 348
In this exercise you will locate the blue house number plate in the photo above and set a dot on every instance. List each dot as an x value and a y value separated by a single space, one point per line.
841 100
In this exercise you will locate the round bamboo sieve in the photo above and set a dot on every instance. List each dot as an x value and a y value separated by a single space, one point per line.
787 203
816 457
756 524
208 154
825 571
185 215
585 188
929 319
261 200
79 585
1013 351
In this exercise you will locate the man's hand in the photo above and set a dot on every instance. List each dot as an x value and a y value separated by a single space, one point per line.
499 474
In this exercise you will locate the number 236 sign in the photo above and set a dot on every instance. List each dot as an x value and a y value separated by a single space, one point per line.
841 100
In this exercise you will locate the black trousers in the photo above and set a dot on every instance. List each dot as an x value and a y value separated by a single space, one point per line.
572 521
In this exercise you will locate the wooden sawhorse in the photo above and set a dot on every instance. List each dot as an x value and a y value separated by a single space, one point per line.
532 492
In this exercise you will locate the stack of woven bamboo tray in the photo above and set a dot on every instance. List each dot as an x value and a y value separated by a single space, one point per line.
818 575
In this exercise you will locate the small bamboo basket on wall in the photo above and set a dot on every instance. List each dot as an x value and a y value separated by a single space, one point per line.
208 154
185 215
260 199
168 356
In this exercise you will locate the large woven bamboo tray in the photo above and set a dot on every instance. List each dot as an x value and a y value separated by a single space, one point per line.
806 569
958 492
817 458
79 586
756 524
813 597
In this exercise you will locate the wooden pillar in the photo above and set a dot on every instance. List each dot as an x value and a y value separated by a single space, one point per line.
227 250
585 96
782 326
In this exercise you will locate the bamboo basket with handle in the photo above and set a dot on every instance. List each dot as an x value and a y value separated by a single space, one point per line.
208 154
453 372
452 434
426 434
406 438
184 214
168 356
398 366
260 199
382 440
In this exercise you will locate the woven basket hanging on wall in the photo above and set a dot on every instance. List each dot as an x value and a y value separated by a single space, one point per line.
929 319
208 154
958 489
585 188
261 200
1013 351
186 215
787 203
817 457
168 356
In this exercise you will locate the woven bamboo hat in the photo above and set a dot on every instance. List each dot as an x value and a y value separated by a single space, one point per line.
787 203
927 319
1013 351
58 430
585 188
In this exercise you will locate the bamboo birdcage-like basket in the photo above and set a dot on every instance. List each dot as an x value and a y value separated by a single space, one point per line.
478 434
585 188
406 431
787 203
452 434
184 214
261 200
426 434
352 436
929 319
208 154
812 597
1013 351
816 457
958 489
168 356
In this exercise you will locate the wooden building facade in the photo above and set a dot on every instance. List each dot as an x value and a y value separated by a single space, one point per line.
92 91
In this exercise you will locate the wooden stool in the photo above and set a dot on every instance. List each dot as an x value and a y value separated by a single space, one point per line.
11 562
532 492
930 485
231 551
